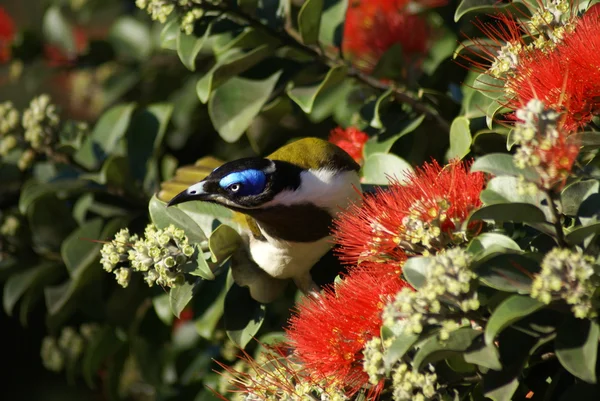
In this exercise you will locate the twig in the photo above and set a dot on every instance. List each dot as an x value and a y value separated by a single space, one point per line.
289 38
560 234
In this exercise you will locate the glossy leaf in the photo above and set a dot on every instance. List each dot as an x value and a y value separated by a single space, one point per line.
508 272
58 31
484 355
229 64
19 283
309 21
580 234
180 297
243 315
434 349
169 34
104 344
487 240
332 23
577 347
572 196
460 138
108 131
379 166
162 216
415 270
223 241
382 143
131 38
487 6
79 249
509 311
200 266
513 212
399 347
189 46
501 164
305 96
32 190
233 105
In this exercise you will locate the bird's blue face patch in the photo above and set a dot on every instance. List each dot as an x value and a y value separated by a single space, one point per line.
245 182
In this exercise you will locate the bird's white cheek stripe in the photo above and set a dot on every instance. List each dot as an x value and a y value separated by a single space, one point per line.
196 189
325 188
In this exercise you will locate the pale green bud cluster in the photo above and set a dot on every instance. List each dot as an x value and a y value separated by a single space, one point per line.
9 122
159 256
410 385
161 10
567 275
550 23
507 59
57 353
40 122
373 358
10 226
449 279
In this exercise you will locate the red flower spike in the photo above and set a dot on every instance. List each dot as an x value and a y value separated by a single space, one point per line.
423 215
329 333
7 34
373 26
351 139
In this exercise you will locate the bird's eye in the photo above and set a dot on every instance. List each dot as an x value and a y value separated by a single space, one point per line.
234 187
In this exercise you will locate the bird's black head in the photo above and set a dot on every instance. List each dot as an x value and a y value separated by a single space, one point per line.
243 184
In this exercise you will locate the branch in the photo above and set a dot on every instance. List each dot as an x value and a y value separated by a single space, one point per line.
560 234
290 39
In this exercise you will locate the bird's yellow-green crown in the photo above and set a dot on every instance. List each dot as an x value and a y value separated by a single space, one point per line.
315 153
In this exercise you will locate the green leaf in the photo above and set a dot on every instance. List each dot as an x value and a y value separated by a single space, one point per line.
104 344
486 356
460 138
509 311
391 64
131 38
162 308
207 322
305 96
489 86
433 349
332 23
577 347
33 190
399 347
385 98
19 283
188 47
144 137
78 250
233 106
169 34
591 139
580 234
513 212
58 31
379 166
200 266
309 21
204 214
415 270
507 272
162 216
487 240
243 315
223 242
502 164
107 133
180 297
229 64
43 216
382 143
572 196
488 6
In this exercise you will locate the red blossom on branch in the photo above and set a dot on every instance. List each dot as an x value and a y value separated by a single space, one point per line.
7 34
374 26
351 139
328 333
423 215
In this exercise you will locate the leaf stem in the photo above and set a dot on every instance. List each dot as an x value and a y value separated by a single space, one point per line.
287 37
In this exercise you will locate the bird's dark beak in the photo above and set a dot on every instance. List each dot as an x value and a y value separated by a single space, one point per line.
195 192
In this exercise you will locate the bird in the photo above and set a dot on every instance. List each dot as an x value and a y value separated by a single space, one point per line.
288 200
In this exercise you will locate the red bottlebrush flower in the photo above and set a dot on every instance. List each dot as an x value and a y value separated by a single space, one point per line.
56 57
186 315
329 333
7 34
423 215
351 139
373 26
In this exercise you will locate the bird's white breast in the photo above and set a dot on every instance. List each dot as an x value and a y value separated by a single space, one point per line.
325 188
